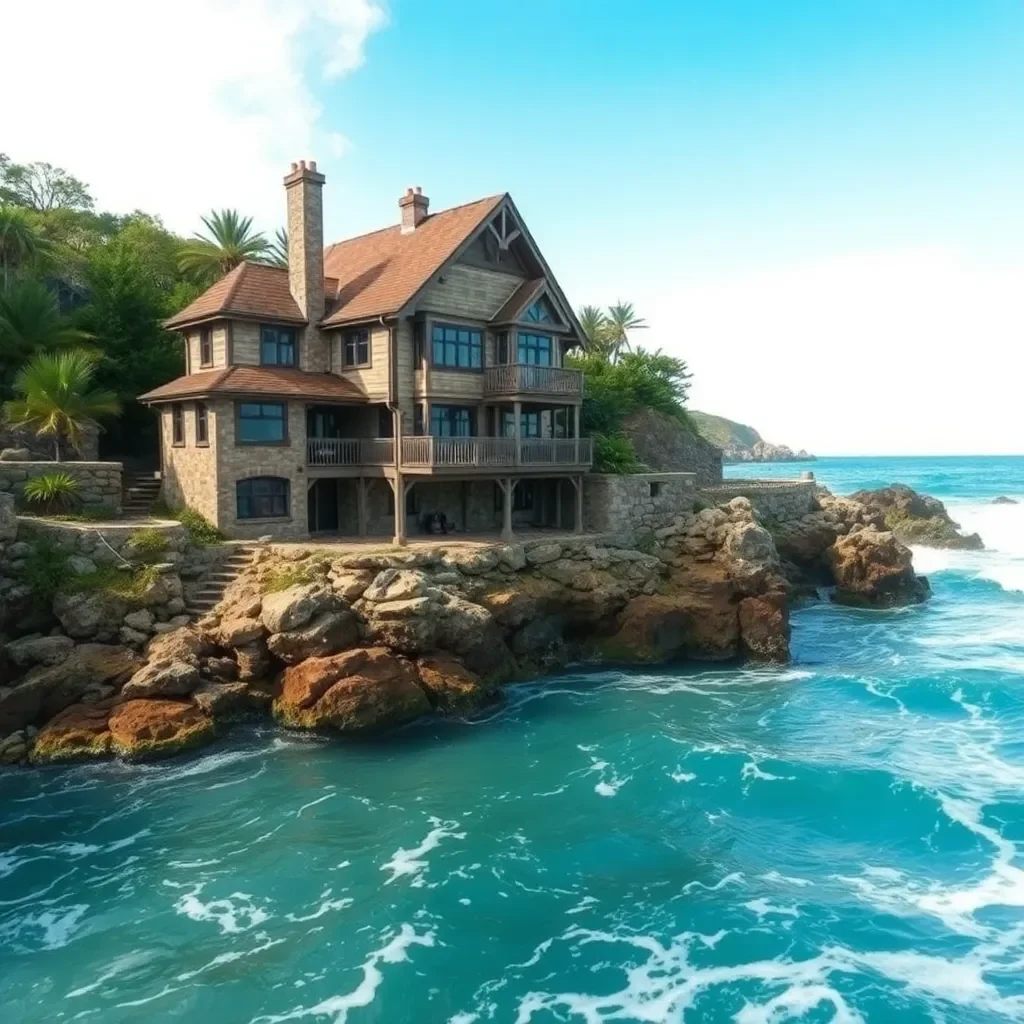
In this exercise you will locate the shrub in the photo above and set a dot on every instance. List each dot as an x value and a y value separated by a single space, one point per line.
613 453
45 569
148 542
52 493
284 576
109 579
201 532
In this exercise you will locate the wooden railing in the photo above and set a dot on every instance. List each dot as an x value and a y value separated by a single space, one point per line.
451 452
521 378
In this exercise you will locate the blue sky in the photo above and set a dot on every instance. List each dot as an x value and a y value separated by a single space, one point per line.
818 204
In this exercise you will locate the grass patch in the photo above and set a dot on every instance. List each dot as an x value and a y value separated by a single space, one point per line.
201 532
285 576
92 514
108 579
149 542
45 569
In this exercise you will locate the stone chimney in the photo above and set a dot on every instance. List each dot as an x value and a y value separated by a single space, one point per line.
414 206
304 189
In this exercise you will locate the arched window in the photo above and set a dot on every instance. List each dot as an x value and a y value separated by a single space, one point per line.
262 497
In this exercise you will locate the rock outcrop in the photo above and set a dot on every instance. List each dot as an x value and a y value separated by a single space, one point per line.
917 518
873 569
740 443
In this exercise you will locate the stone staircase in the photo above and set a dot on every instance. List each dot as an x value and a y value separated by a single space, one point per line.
139 492
211 587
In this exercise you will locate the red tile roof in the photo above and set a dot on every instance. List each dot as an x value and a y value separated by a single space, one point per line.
250 290
366 277
257 380
379 273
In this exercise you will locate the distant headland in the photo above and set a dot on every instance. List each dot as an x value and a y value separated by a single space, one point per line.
740 443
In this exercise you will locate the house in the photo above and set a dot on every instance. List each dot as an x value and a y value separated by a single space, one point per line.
372 385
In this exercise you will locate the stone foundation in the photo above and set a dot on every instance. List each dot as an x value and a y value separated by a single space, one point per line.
99 482
635 501
772 499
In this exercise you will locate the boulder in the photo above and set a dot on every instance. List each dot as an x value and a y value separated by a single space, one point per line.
872 568
546 551
48 689
350 585
8 517
329 633
94 615
917 518
470 631
764 627
182 644
132 637
361 690
15 455
236 632
77 733
79 565
473 561
253 661
451 687
156 728
39 650
409 626
651 629
396 585
750 542
141 621
224 669
220 699
289 609
162 678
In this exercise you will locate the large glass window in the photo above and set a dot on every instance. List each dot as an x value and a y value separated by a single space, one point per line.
458 347
451 421
277 346
357 348
529 424
262 497
261 423
535 349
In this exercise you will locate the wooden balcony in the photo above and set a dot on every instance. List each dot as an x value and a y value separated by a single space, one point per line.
523 379
486 454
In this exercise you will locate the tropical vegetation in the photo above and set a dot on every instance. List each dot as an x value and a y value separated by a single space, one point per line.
52 493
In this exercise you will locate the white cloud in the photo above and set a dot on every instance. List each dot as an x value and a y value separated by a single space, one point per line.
179 108
905 351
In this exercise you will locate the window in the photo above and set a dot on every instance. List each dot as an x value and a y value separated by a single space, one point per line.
529 424
655 488
417 340
277 346
261 423
539 312
535 349
385 422
202 424
177 424
451 421
503 347
262 497
206 346
356 350
458 347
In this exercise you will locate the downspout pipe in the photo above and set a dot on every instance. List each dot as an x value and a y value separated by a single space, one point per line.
392 402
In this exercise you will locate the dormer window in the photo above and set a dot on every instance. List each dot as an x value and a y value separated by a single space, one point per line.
277 346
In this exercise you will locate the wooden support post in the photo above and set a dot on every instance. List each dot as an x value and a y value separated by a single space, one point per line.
508 487
398 488
361 509
517 413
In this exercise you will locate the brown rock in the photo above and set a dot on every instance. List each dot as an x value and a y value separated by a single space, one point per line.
185 644
156 728
235 632
450 686
219 699
358 691
329 633
253 660
77 733
163 678
46 690
764 627
872 568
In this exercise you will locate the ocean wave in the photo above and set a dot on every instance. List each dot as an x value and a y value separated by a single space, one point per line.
405 863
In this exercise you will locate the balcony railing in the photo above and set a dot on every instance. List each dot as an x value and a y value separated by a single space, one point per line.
520 378
451 452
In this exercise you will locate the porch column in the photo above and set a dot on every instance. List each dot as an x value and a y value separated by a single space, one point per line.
517 412
361 512
508 487
576 431
578 525
558 504
398 486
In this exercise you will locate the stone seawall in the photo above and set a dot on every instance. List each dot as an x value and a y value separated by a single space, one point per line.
635 501
99 482
772 499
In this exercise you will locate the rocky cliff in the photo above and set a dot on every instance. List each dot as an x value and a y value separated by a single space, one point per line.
665 445
740 443
369 639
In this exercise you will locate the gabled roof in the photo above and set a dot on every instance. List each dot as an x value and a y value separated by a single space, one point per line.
250 290
380 272
518 300
276 382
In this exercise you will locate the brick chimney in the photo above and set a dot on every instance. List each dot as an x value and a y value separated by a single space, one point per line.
414 206
304 189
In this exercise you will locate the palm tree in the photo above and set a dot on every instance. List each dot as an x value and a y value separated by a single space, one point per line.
30 323
20 243
595 327
277 251
622 319
231 241
57 399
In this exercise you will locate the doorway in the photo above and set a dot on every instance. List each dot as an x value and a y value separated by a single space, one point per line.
322 503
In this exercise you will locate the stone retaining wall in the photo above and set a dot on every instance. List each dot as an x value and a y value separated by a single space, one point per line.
99 482
635 501
772 499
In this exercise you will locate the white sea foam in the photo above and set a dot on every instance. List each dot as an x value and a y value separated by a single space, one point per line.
411 862
49 929
394 951
235 913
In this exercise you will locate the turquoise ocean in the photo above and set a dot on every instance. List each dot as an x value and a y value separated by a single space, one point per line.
839 840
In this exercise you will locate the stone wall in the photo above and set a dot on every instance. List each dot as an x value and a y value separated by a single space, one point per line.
41 448
664 445
635 501
772 499
99 482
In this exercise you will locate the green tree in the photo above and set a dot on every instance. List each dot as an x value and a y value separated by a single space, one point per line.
57 398
231 241
30 323
42 187
622 319
277 253
595 326
21 245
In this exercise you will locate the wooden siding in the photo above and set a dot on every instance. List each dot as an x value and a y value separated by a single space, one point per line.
245 343
469 292
406 374
220 336
373 379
